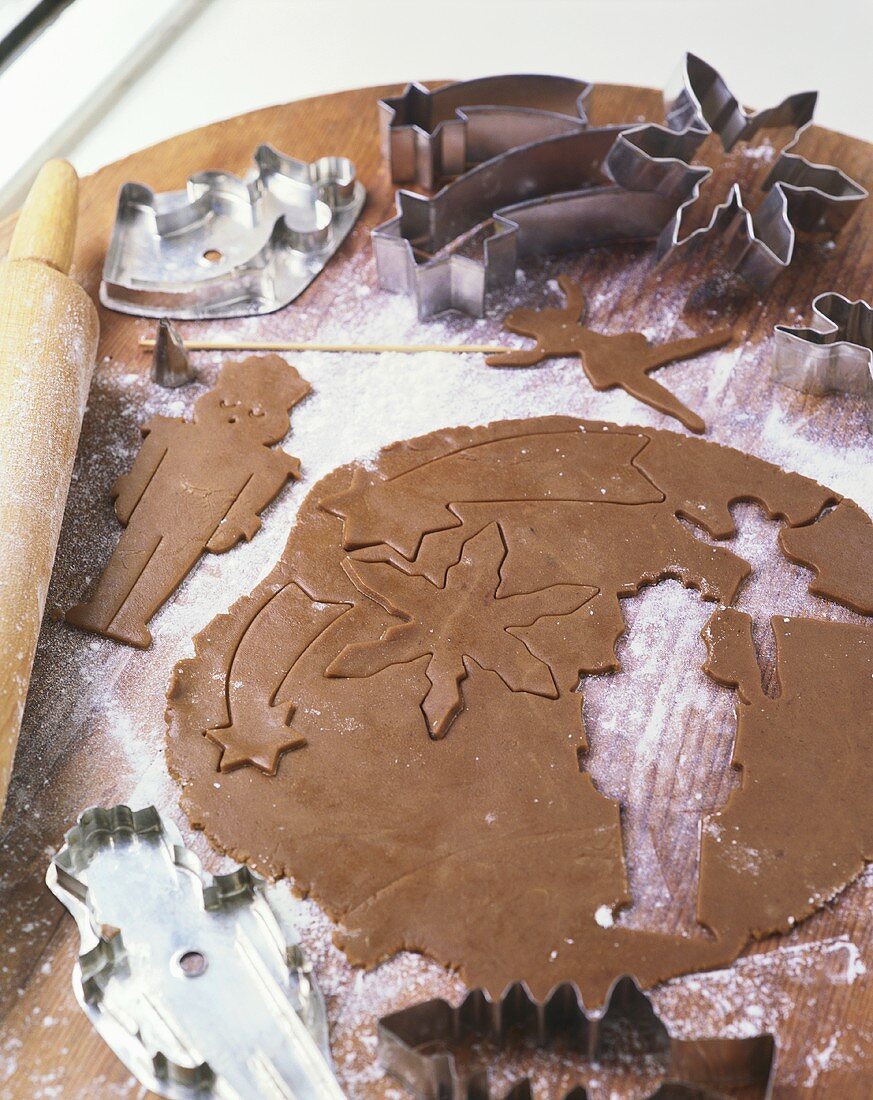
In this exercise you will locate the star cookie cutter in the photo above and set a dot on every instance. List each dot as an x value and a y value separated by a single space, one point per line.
799 194
229 247
544 197
198 984
835 355
429 135
413 1042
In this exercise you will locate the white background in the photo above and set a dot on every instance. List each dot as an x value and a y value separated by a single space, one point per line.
110 76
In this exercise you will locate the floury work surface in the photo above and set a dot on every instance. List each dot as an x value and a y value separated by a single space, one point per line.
660 731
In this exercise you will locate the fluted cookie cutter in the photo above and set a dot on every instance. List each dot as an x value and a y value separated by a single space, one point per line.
413 1043
197 983
430 135
834 356
544 197
759 244
229 247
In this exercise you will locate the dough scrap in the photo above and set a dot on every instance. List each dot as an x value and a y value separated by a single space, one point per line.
468 830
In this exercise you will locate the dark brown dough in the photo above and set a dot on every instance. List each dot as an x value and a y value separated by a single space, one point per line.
438 803
625 360
196 485
833 548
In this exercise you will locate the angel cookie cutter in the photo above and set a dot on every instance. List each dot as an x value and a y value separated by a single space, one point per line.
429 135
799 194
197 983
414 1042
835 355
229 247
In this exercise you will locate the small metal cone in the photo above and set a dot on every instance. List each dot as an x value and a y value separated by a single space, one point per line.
171 366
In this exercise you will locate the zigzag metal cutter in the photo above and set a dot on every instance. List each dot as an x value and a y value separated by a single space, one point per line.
226 247
198 984
414 1044
543 197
429 135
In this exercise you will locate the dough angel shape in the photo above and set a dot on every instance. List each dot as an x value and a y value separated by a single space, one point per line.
624 360
195 486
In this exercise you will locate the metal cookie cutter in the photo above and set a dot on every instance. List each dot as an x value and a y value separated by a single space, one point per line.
197 983
429 135
835 355
171 361
413 1043
800 195
226 247
547 196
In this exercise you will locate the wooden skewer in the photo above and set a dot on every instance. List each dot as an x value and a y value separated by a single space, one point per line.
148 343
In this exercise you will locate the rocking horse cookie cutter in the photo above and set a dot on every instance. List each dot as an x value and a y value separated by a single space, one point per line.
229 247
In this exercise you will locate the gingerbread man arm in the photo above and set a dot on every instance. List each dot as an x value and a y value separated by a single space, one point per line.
242 520
129 488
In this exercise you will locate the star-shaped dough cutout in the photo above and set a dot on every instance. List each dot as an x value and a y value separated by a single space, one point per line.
256 744
465 620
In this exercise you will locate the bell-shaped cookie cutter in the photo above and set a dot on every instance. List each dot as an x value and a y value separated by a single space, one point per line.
198 984
414 1042
430 135
229 247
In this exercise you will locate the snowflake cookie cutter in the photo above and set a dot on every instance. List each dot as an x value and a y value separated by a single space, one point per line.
835 355
429 135
545 197
800 195
413 1043
229 247
197 983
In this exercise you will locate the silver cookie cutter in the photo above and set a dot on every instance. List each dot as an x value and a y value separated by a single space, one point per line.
430 135
545 197
229 247
800 194
198 984
414 1043
834 356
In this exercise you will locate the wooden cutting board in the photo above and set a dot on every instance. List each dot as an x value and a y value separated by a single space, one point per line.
71 753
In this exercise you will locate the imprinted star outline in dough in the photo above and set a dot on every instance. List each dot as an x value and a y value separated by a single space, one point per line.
376 511
800 194
443 622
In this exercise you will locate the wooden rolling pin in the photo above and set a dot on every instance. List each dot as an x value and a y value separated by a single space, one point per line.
48 343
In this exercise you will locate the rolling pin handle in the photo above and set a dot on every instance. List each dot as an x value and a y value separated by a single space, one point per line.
46 227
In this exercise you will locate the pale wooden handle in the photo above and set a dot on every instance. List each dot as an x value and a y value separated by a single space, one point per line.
46 226
48 343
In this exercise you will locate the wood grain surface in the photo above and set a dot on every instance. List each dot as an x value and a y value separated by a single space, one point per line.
67 757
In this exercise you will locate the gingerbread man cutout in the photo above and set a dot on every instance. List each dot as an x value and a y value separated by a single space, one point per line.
625 360
195 486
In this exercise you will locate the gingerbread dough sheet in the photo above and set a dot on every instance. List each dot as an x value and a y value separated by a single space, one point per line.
393 718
